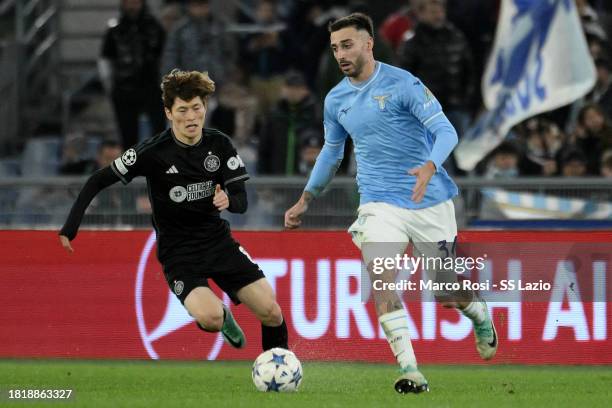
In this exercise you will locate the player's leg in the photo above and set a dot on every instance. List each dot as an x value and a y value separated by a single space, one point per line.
206 308
434 232
211 315
244 282
378 234
260 299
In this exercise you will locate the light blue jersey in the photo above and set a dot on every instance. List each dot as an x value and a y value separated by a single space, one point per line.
396 125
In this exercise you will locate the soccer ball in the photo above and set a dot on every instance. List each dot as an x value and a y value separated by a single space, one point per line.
277 370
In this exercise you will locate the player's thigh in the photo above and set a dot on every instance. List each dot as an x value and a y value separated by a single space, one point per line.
190 285
236 271
379 234
378 223
204 306
433 224
259 298
434 235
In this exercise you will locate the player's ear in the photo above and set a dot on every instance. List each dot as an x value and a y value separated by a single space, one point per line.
168 113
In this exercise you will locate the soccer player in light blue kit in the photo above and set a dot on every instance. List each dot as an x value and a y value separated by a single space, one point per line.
401 139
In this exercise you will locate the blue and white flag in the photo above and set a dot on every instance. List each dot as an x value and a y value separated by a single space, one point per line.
534 206
540 61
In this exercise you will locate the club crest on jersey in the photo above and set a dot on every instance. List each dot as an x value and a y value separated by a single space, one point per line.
212 162
178 287
129 157
381 101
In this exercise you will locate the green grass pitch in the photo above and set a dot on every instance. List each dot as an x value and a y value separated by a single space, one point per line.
228 384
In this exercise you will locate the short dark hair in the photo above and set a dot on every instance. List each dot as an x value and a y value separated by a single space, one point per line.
358 20
186 85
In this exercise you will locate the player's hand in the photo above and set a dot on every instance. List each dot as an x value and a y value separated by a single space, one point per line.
66 243
294 214
220 200
423 175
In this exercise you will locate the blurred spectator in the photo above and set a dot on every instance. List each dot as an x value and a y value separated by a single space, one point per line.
593 22
236 107
477 20
439 54
169 15
593 135
199 42
503 163
266 53
602 92
598 47
606 164
308 38
544 141
574 164
293 123
108 151
129 68
234 112
397 24
310 147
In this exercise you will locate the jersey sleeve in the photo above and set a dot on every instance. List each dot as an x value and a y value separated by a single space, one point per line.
419 101
233 168
335 134
132 163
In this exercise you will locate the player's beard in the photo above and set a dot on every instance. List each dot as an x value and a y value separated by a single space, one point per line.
357 67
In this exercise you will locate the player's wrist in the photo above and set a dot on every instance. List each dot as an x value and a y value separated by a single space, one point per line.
431 165
306 197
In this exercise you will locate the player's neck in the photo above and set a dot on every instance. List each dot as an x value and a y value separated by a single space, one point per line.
366 73
186 140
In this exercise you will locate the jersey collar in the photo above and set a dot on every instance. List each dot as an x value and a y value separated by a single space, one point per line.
185 145
363 85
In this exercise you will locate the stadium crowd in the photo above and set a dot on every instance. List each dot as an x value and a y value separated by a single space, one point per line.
273 71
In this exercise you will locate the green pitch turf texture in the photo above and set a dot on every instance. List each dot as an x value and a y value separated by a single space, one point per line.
228 384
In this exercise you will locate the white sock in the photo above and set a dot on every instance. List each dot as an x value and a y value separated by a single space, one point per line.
475 311
395 326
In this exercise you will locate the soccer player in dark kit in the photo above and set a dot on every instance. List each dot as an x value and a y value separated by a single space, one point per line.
188 171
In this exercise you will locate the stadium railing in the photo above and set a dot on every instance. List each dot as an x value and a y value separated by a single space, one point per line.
41 203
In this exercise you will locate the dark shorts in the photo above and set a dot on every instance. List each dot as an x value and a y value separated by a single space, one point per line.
231 271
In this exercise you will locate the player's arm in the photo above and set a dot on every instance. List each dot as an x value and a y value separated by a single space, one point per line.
96 183
325 167
426 108
234 201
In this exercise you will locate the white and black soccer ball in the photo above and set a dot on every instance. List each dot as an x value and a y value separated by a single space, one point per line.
277 370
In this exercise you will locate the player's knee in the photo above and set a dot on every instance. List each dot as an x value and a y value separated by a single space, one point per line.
209 321
271 315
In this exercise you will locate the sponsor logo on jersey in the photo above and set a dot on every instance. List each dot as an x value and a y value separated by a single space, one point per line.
172 170
212 163
178 194
192 192
129 157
